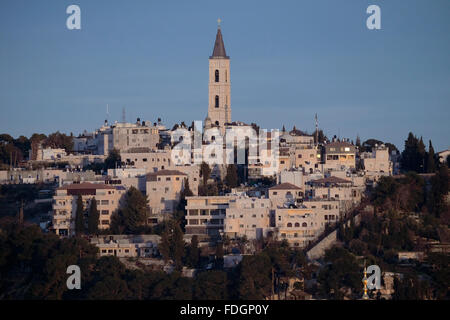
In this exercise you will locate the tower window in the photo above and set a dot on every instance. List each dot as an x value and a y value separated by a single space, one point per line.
217 102
217 75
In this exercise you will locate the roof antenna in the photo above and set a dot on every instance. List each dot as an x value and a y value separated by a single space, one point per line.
317 130
124 119
218 22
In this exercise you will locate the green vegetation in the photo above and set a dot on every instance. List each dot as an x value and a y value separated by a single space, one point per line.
93 218
132 217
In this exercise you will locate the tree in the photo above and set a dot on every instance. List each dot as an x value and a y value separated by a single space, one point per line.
205 172
421 155
439 189
369 144
181 207
113 159
431 159
413 154
194 253
172 245
93 218
79 217
59 140
254 285
134 212
211 285
219 255
321 137
231 177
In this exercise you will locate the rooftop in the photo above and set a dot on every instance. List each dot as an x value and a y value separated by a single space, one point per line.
285 186
166 173
219 47
86 186
330 180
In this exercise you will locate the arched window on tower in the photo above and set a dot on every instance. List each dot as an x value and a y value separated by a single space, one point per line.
217 102
217 75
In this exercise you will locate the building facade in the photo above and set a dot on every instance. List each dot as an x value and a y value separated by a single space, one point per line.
109 199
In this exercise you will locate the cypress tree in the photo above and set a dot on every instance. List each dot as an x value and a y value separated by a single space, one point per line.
93 218
431 164
79 217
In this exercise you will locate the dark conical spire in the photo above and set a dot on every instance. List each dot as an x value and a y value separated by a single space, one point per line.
219 47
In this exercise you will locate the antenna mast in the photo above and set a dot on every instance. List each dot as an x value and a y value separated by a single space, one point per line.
317 130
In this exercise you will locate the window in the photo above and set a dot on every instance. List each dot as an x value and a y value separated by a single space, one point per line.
289 225
297 225
105 202
304 224
217 101
168 179
217 76
105 212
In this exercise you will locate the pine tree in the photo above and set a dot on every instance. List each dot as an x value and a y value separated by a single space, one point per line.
134 213
93 218
79 217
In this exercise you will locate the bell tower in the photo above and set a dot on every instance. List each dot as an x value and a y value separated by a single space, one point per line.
219 105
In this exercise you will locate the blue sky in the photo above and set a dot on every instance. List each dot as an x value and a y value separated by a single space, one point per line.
289 60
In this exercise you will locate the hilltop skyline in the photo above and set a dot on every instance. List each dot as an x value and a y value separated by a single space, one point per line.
288 63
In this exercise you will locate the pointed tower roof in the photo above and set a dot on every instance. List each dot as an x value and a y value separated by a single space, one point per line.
219 47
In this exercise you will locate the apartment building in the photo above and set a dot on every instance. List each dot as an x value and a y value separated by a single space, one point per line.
150 161
163 190
127 246
109 199
328 209
334 188
377 162
285 194
249 217
121 136
339 154
129 177
292 176
299 226
205 215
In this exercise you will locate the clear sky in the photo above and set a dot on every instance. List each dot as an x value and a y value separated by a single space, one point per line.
289 60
